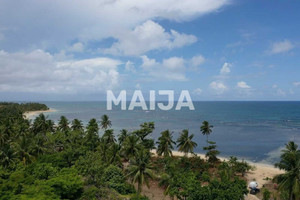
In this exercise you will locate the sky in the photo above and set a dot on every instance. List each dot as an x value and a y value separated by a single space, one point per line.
55 50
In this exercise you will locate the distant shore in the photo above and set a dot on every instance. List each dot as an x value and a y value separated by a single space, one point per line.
30 114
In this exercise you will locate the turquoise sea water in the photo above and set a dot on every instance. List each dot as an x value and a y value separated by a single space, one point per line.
255 131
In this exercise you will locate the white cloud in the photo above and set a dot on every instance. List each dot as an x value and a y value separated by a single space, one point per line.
56 22
218 86
225 69
129 66
243 85
281 47
169 69
77 47
146 37
296 84
197 60
198 91
280 92
38 71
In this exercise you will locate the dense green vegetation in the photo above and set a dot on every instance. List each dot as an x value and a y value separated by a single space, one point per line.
13 109
43 160
289 182
23 106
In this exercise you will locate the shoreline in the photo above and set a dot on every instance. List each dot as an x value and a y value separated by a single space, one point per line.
31 114
259 174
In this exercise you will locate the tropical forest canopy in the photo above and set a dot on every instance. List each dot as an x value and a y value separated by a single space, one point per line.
41 159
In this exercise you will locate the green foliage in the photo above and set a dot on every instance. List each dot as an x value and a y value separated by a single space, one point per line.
24 106
67 184
266 194
140 169
92 167
139 198
206 129
185 185
241 167
131 146
212 152
92 136
185 142
145 130
290 162
38 161
42 170
165 144
105 122
115 179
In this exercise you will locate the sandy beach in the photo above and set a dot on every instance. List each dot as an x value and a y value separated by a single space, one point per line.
261 172
31 114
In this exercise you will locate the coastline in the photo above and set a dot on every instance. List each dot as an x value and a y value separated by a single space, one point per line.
259 174
31 114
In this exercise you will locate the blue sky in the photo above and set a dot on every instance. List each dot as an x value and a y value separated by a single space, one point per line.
216 49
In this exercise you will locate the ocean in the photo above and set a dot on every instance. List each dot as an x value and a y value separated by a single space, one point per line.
255 131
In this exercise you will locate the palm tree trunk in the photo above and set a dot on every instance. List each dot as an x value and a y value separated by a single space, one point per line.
207 138
139 190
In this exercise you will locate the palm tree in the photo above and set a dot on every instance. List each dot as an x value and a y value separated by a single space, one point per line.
41 125
140 170
8 156
108 137
206 129
63 124
122 136
23 149
92 136
290 162
185 142
131 146
165 144
105 122
77 125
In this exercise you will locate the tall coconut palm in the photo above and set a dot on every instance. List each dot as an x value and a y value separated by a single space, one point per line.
131 146
122 136
63 124
23 149
108 137
185 142
105 122
77 125
290 162
206 129
140 170
8 156
41 125
92 136
165 144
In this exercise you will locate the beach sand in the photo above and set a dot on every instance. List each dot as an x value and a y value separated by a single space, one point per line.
261 172
32 114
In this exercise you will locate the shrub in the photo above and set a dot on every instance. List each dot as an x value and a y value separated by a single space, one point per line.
114 178
266 194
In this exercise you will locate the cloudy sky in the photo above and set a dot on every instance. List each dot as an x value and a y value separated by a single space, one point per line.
216 49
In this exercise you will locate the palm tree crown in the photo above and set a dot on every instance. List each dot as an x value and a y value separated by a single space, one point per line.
185 142
290 162
165 144
140 169
206 128
77 125
105 122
